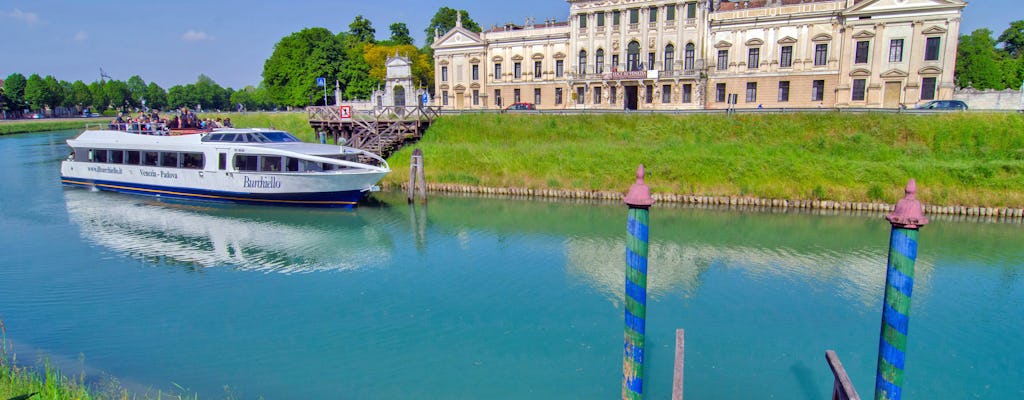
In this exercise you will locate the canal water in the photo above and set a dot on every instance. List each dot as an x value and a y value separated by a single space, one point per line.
483 298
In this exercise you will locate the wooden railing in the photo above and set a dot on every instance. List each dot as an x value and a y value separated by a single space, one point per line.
333 113
842 387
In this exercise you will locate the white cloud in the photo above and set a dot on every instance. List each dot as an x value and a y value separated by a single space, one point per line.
81 36
195 36
27 17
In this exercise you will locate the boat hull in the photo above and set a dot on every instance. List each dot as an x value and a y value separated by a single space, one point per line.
342 199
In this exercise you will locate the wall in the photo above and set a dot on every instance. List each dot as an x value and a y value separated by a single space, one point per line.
990 99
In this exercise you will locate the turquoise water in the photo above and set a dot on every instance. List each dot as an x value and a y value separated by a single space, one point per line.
484 298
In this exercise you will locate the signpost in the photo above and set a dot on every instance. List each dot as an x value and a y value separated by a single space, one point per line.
346 112
322 82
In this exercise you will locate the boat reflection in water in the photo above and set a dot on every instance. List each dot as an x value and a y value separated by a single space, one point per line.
674 266
241 237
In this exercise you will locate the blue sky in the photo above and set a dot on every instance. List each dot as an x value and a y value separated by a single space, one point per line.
171 43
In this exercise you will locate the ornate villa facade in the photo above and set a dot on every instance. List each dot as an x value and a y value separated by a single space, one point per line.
700 54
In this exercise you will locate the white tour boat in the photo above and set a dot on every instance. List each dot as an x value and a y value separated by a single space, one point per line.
253 166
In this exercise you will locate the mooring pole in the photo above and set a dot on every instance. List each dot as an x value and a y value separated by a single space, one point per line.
413 173
639 201
906 219
421 175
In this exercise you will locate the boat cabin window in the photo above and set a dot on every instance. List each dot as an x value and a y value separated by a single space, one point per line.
99 156
117 157
246 162
133 157
222 161
292 164
150 158
252 137
270 164
169 159
192 160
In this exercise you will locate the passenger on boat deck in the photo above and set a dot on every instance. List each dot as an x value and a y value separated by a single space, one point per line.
227 123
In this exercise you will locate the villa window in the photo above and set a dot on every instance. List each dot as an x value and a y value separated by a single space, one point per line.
723 60
753 58
559 68
786 57
688 57
537 70
444 74
821 54
896 50
859 89
517 70
687 93
670 55
861 55
497 71
599 61
818 90
931 49
583 62
783 91
666 94
720 93
476 72
751 92
928 89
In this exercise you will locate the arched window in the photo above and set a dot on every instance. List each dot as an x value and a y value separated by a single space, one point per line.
688 58
583 62
670 56
599 61
633 56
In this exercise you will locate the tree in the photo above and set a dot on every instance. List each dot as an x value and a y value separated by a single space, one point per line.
80 95
377 55
362 29
35 92
54 93
98 92
156 97
117 94
355 78
1013 39
137 88
298 59
14 90
977 63
444 20
400 34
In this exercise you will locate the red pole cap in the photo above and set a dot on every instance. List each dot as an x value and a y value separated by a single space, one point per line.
908 213
639 195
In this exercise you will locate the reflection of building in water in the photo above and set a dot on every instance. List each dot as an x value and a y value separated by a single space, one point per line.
860 274
197 236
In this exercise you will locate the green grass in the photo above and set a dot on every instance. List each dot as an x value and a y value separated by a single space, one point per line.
957 158
39 125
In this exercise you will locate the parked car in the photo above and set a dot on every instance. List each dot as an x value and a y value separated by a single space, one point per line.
943 105
521 106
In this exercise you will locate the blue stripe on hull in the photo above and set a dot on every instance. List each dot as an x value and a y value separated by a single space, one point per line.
347 199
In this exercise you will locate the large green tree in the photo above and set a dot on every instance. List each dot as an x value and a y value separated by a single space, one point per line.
117 95
80 95
298 59
362 29
14 90
36 92
137 88
97 91
978 62
156 97
444 20
400 34
355 78
54 92
1013 39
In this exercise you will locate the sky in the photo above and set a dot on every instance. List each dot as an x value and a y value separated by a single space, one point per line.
172 43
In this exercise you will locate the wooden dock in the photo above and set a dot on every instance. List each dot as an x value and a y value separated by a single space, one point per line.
381 131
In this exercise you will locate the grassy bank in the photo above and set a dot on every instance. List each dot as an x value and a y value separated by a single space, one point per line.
39 125
957 158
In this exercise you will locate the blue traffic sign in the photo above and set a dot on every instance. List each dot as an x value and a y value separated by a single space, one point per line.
321 81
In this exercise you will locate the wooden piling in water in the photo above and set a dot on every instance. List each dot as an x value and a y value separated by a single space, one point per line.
417 177
677 374
842 386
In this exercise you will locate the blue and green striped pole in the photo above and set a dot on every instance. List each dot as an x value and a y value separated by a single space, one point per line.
639 201
899 285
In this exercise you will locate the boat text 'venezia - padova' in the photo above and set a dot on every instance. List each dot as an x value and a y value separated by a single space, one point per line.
253 166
